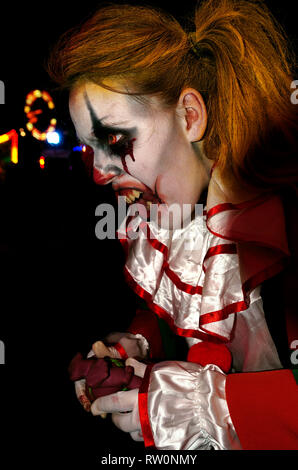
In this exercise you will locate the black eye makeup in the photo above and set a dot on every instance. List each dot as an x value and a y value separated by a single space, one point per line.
113 139
117 143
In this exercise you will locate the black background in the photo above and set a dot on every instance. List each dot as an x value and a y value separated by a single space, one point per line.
61 288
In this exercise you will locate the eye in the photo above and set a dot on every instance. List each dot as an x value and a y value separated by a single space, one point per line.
118 144
114 138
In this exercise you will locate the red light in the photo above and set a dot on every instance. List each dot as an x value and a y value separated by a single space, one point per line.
13 136
41 162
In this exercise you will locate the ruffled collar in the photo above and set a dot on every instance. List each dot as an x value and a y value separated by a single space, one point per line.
198 278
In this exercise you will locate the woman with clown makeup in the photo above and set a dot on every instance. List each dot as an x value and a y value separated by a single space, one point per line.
196 116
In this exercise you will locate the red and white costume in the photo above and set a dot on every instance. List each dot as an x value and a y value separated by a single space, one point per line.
205 281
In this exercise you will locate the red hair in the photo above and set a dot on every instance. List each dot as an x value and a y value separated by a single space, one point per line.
241 64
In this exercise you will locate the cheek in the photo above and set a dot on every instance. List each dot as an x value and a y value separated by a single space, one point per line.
145 166
153 157
167 188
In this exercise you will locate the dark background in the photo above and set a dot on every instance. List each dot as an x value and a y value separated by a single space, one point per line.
61 288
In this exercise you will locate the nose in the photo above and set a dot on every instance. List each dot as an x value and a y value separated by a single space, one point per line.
104 172
101 177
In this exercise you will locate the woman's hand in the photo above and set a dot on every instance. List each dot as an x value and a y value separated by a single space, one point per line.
131 345
123 405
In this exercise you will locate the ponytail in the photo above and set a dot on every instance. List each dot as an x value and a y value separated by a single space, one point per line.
253 124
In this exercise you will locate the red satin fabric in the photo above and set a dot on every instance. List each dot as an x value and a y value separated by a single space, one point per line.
264 409
120 350
143 409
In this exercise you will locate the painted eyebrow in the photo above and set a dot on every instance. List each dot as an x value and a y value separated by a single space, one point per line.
101 130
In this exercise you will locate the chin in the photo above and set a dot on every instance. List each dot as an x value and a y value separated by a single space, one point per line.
171 216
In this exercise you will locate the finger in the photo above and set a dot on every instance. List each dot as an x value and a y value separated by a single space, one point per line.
116 402
124 421
84 402
81 395
80 387
136 436
139 368
128 422
100 349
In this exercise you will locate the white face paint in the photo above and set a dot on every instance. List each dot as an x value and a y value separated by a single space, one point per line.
139 147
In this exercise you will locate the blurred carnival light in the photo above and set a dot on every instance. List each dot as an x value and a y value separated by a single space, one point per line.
54 138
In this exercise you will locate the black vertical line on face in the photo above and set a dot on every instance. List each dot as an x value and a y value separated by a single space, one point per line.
100 130
97 127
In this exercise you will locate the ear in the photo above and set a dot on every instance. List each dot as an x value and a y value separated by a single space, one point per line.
195 114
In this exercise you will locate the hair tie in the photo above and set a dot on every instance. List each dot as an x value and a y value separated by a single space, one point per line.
195 46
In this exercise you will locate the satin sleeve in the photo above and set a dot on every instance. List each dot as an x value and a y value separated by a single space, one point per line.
185 408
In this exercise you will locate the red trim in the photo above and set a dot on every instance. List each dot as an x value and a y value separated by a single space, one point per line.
230 206
120 350
210 317
256 279
166 316
227 206
156 243
223 313
188 288
264 409
143 409
226 248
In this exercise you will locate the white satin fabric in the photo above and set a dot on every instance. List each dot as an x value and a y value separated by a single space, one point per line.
188 409
186 403
186 248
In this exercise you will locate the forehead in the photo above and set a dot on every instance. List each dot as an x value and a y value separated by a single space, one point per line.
110 107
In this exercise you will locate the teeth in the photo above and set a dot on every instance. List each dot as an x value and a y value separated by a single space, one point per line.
134 194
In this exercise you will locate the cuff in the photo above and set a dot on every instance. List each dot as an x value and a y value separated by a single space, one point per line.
182 406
